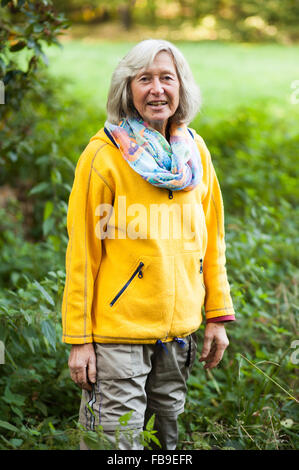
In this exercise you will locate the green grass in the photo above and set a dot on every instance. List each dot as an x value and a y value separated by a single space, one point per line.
229 75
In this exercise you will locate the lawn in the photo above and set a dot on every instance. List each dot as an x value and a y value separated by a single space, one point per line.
229 75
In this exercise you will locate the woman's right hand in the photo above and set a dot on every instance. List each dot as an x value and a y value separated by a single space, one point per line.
82 365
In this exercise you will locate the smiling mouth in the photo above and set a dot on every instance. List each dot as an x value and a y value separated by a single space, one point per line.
157 103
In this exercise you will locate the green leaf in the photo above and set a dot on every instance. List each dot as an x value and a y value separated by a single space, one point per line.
49 206
155 440
16 442
123 420
93 443
39 188
13 398
13 156
38 28
29 334
150 423
18 412
48 330
48 225
56 242
8 426
42 407
51 426
45 293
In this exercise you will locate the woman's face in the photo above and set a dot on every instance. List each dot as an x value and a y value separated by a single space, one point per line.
155 91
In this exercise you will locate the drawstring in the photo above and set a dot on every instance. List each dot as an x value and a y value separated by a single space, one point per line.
180 342
160 343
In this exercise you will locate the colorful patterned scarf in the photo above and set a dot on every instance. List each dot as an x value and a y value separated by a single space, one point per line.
175 165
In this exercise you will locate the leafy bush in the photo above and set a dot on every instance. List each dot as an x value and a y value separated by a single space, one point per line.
250 402
25 27
34 386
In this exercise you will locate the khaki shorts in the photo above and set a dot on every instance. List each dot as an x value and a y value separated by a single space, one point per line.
144 378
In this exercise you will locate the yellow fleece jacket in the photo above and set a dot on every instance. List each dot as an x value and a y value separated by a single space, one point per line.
141 261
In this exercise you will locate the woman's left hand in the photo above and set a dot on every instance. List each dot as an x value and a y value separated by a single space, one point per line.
214 345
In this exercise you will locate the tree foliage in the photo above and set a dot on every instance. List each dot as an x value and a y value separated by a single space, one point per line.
242 18
25 27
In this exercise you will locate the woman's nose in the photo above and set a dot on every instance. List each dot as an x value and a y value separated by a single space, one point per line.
157 86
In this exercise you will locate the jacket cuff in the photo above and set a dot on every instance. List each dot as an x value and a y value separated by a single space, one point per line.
75 339
221 319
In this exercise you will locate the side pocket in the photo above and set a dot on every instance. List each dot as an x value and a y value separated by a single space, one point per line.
114 361
138 271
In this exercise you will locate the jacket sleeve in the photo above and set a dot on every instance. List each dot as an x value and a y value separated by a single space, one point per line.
218 302
84 250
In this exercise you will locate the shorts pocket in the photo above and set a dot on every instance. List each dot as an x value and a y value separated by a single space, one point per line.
115 361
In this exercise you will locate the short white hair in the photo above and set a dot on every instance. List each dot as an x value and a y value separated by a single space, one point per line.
120 101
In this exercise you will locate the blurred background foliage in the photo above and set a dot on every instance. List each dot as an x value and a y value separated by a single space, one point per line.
56 59
252 20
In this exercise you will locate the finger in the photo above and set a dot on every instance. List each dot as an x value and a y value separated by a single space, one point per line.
80 377
219 351
211 354
73 374
206 347
83 384
86 386
91 369
210 357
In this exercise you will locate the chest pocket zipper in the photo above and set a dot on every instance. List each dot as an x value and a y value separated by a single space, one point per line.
138 271
201 272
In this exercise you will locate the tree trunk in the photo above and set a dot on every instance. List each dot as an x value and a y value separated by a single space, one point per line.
125 12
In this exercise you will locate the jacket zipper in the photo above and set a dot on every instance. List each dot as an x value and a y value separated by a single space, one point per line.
200 266
140 275
170 195
201 271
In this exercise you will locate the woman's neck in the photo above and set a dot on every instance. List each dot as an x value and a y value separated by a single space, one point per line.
162 127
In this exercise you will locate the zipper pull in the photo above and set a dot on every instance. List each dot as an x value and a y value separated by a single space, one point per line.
140 273
200 269
170 195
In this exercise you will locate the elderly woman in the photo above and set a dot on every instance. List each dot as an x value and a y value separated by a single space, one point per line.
146 251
